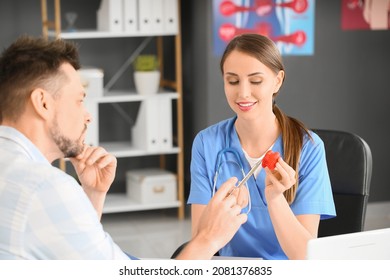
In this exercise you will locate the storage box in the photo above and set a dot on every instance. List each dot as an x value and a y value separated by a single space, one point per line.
92 80
151 185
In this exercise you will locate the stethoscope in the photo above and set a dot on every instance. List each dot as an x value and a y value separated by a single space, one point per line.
219 163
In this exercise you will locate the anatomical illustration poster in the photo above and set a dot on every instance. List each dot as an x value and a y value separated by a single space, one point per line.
289 23
365 14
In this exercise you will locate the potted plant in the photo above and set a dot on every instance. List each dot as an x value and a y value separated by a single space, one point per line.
146 74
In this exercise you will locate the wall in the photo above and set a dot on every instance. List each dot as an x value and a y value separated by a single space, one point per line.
344 86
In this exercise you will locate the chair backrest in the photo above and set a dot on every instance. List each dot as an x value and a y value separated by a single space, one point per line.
349 162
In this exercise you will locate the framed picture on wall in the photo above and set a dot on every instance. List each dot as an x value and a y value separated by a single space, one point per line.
289 23
365 14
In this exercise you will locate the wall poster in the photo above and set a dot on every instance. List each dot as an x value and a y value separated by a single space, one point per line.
365 14
289 23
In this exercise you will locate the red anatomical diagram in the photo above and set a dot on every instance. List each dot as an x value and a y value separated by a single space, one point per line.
270 159
228 31
262 7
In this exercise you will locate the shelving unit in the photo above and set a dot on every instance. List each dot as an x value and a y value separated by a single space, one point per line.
119 202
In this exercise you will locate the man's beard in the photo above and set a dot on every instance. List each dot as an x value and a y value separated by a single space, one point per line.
67 146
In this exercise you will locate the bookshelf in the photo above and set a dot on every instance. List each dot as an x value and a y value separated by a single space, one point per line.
115 202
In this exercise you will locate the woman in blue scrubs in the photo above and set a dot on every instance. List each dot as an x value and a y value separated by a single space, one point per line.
286 204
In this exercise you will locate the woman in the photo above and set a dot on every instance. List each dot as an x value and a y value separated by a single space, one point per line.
286 203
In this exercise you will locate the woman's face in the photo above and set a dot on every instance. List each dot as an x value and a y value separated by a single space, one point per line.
249 85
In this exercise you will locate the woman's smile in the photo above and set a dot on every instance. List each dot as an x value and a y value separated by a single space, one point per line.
246 106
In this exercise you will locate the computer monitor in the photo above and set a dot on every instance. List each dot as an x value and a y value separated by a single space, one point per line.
365 245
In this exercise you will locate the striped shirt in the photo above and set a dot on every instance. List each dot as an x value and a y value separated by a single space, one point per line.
44 212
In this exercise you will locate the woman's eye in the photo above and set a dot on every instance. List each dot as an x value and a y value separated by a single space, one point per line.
256 82
233 82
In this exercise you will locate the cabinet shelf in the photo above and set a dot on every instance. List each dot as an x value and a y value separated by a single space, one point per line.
120 202
125 149
94 34
116 96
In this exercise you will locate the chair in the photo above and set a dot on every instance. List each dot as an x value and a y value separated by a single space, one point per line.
349 162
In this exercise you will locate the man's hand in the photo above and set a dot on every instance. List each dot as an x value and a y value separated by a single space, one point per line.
95 168
219 222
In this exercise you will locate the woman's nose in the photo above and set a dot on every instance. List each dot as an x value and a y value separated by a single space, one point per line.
244 90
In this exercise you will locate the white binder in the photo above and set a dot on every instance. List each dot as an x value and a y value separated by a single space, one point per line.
151 17
130 16
153 128
165 123
145 16
145 131
170 17
110 16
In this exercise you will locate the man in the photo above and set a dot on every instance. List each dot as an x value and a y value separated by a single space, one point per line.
45 213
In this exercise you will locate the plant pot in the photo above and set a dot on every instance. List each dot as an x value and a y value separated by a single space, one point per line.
147 82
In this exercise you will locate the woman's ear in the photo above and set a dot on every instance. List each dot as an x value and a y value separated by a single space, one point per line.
279 80
41 102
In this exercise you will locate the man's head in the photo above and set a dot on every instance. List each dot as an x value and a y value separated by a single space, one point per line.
30 63
39 84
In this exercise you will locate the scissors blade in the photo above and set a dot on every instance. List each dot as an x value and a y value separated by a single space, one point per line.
249 174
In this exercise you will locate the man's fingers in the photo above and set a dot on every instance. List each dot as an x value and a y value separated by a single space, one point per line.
242 196
236 210
230 201
226 188
96 154
106 160
242 218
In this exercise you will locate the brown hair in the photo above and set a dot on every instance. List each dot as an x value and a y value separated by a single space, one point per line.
30 63
264 49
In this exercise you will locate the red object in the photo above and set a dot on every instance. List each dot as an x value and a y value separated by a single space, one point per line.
262 7
270 159
299 6
228 31
297 38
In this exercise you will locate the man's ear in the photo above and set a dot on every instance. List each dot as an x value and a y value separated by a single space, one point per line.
41 102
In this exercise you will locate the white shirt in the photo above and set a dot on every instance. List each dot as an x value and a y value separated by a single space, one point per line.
45 213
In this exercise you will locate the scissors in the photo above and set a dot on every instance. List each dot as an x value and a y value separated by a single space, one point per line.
270 159
247 176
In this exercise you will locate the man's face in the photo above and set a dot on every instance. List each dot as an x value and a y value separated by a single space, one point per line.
70 121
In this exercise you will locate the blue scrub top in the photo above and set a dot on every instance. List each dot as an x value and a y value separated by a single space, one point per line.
256 238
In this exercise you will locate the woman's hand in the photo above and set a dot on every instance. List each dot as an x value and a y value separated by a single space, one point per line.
293 231
279 180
